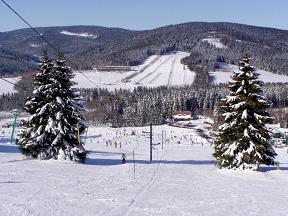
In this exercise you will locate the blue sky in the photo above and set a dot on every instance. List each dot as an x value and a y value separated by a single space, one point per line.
143 14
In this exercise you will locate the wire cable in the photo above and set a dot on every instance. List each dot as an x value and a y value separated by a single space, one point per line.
40 35
14 84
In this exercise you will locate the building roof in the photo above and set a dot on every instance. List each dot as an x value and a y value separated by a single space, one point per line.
182 113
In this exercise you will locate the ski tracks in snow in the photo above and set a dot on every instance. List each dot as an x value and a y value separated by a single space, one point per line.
145 189
141 70
171 71
155 70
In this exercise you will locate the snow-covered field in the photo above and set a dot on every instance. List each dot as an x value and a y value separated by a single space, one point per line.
6 87
224 74
182 180
156 71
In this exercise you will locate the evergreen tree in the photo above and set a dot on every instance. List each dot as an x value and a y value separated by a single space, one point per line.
52 129
244 141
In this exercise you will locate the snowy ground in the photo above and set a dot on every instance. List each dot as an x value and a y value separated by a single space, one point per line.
224 74
164 70
6 87
215 42
182 179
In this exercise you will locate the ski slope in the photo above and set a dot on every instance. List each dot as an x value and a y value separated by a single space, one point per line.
182 180
224 74
165 70
6 87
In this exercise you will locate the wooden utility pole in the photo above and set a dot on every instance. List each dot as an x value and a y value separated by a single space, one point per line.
162 138
151 143
134 163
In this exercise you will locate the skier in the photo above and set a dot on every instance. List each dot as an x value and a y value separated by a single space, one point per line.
123 157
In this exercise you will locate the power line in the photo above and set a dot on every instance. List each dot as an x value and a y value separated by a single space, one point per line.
13 84
43 38
40 35
7 81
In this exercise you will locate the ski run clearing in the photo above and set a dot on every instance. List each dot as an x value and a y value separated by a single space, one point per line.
164 70
182 180
223 75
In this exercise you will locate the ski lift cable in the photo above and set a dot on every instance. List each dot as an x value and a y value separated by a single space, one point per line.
14 84
44 39
8 81
20 87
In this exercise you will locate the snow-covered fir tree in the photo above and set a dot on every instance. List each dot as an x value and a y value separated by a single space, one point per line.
56 115
244 141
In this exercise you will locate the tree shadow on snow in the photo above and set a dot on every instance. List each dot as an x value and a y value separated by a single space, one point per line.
10 182
7 148
268 169
192 162
103 153
111 162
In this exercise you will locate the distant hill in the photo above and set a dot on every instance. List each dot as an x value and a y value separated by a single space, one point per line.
207 43
19 50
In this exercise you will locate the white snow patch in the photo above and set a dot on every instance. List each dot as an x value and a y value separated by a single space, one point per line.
215 42
244 114
43 109
83 34
34 45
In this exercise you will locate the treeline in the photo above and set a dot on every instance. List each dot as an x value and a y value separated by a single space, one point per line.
11 101
156 105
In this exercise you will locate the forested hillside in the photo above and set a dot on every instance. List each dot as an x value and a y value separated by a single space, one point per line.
207 43
20 49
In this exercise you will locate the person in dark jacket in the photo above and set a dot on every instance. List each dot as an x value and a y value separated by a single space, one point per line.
123 157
